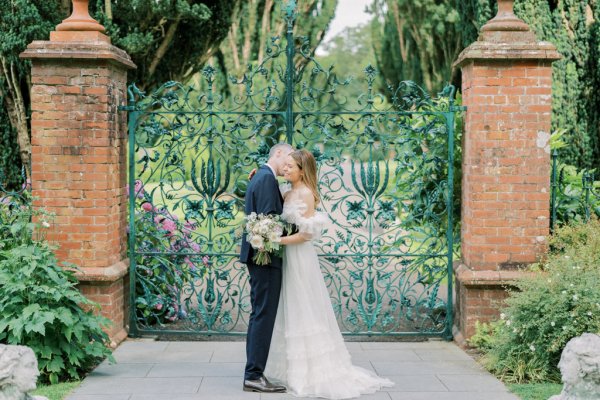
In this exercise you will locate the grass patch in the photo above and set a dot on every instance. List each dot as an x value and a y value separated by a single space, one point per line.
56 392
535 391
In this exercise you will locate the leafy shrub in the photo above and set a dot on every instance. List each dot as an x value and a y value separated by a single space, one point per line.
485 335
559 302
576 195
41 306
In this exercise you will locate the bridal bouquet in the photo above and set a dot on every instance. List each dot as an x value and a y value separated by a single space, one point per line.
264 234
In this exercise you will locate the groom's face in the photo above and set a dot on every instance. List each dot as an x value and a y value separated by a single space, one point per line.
279 159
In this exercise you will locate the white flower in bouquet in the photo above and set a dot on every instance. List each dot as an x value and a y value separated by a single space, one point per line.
263 228
274 236
257 242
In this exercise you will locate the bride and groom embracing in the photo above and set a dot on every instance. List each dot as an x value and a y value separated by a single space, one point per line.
293 336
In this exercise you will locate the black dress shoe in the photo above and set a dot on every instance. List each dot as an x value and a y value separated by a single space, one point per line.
262 385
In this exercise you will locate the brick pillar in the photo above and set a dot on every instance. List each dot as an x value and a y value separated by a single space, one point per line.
507 88
79 149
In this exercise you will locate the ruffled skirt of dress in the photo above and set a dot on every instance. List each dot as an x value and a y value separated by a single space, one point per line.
307 352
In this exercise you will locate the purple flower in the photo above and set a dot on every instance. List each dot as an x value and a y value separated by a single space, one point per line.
138 190
26 184
190 226
206 260
195 247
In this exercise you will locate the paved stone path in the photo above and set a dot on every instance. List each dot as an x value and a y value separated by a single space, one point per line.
150 370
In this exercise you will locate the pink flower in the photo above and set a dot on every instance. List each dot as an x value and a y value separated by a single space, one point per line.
158 306
169 225
147 207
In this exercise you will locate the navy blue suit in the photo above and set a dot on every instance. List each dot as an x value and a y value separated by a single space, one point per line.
262 197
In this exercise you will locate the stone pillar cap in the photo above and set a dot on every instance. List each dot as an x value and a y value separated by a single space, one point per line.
507 37
46 50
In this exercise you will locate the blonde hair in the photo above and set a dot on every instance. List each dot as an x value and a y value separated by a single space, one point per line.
308 165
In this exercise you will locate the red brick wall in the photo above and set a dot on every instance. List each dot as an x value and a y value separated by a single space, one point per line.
480 303
114 300
506 161
79 158
79 163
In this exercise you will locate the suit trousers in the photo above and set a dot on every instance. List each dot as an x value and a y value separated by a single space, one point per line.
265 288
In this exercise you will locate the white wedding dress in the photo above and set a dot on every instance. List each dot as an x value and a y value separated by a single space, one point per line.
307 353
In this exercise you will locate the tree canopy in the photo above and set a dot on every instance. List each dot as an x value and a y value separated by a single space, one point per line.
167 40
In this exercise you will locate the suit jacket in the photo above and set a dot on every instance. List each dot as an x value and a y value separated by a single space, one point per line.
262 197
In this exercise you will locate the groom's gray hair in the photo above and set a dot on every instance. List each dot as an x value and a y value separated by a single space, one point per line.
280 146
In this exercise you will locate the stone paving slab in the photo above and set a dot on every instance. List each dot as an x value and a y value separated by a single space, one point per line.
150 370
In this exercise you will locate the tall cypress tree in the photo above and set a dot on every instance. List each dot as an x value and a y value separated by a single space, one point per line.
417 40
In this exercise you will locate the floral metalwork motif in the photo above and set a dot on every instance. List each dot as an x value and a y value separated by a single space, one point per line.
385 164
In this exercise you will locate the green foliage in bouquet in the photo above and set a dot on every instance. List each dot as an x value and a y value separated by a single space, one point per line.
41 306
560 301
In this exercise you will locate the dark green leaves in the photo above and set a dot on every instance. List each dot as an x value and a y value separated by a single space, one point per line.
41 305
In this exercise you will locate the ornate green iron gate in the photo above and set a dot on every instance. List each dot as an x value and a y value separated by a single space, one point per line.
386 178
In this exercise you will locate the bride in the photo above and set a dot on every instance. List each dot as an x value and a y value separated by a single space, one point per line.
307 352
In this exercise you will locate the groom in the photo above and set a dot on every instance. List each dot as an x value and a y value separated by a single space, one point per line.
263 197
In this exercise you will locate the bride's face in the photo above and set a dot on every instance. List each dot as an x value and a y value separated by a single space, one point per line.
291 172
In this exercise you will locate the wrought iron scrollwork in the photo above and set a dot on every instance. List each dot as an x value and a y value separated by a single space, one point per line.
385 176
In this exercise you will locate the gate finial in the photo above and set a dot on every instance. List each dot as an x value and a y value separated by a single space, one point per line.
289 10
505 20
80 19
79 27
